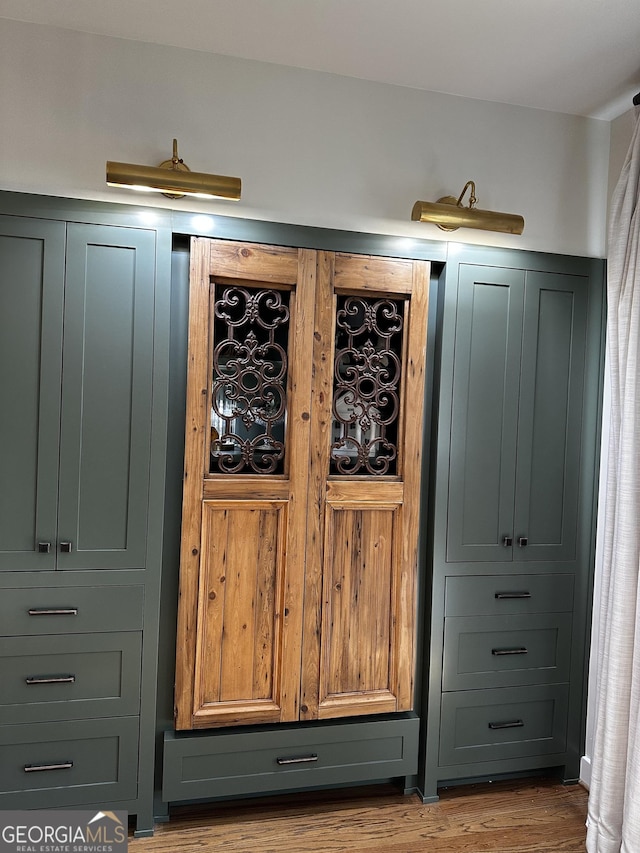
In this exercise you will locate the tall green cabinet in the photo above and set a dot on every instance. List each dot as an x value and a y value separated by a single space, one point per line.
83 323
514 514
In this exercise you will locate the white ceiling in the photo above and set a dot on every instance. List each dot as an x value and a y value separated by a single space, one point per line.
579 57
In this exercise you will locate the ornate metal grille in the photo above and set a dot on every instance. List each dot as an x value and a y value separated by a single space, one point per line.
366 385
248 402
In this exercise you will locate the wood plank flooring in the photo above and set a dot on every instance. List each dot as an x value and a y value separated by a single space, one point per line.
523 816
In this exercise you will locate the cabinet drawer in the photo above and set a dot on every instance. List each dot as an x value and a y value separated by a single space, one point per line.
69 677
51 765
505 651
496 595
218 765
70 610
512 722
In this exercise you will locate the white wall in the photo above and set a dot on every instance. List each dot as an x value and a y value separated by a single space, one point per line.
311 148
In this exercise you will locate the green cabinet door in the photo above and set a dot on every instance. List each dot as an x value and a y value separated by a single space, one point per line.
550 418
76 361
106 397
32 254
484 416
516 415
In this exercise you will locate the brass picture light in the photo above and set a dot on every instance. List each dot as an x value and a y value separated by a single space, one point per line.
449 214
172 178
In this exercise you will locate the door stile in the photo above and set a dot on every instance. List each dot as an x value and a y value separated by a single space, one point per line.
321 420
194 466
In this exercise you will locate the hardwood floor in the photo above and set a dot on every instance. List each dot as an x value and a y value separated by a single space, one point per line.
523 816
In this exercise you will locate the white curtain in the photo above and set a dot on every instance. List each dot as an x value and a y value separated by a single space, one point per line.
613 824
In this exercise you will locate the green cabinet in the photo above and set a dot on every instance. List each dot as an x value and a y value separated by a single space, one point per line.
83 362
76 361
516 421
513 514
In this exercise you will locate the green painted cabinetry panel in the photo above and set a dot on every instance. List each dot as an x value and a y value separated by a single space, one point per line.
494 725
69 677
505 651
71 610
224 764
68 764
516 415
32 257
76 363
514 509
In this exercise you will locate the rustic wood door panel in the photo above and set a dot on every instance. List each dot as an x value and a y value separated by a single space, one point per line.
360 586
244 502
240 610
358 652
302 478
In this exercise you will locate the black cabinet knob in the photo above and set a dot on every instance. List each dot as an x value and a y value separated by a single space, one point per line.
65 547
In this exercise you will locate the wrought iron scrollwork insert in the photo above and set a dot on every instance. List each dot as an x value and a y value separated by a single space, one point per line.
248 403
366 390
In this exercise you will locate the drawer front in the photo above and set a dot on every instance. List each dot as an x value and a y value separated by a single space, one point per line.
218 765
70 610
506 651
512 722
69 677
504 595
51 765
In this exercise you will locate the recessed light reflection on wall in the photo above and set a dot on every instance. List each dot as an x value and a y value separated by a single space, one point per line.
203 223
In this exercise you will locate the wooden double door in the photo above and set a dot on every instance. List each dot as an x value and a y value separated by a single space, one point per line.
301 495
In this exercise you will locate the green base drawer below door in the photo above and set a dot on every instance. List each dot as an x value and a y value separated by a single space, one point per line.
73 609
510 594
222 764
52 765
510 722
73 677
506 651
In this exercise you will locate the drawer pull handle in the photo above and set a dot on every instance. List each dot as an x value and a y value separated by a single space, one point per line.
509 724
507 541
44 547
66 547
503 596
60 611
50 679
523 541
303 759
37 768
520 651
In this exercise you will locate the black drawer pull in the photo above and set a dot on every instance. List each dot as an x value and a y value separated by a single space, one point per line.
66 547
503 596
523 541
50 679
509 724
44 547
37 768
60 611
507 541
519 651
303 759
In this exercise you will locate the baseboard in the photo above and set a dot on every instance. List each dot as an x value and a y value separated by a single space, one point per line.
585 771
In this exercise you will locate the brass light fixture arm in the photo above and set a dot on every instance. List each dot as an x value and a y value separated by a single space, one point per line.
472 196
449 214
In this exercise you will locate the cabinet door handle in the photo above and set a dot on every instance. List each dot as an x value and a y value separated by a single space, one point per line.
44 547
65 547
303 759
50 679
523 541
503 596
508 724
519 651
507 541
37 768
47 611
